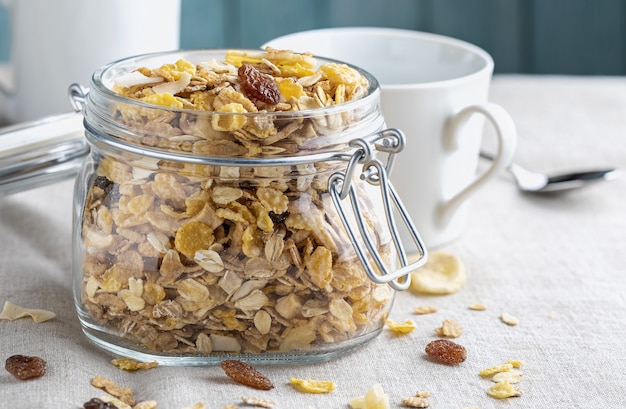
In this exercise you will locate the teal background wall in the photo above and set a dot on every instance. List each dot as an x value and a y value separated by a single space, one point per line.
580 37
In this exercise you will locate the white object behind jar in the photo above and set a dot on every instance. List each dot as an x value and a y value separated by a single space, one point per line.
57 43
432 87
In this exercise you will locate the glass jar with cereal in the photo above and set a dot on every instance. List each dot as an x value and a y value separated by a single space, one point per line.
235 203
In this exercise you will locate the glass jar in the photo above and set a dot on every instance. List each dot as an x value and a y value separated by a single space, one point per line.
195 240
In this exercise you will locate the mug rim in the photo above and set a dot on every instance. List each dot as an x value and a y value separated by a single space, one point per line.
448 41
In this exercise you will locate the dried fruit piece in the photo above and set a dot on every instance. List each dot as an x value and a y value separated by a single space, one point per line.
129 364
245 374
312 386
25 367
446 352
503 390
12 312
443 273
375 398
450 329
257 85
260 402
96 403
401 327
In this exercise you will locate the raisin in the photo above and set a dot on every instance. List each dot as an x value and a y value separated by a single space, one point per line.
25 367
446 352
245 374
103 183
96 403
257 85
278 218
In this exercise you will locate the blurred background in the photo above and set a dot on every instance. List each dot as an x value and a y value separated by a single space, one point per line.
577 37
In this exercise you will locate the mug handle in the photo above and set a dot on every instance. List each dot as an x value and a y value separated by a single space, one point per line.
507 141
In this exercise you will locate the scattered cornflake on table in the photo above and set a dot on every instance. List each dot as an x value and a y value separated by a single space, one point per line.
424 309
375 398
443 273
400 328
259 402
13 312
517 363
491 371
112 388
415 402
312 386
503 390
477 307
508 319
512 376
419 400
129 364
449 329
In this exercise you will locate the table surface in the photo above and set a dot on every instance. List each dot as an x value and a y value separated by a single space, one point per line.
556 263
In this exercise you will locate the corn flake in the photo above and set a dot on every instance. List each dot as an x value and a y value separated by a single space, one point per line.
312 386
13 312
401 328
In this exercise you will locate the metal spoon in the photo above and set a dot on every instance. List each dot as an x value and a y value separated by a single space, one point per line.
535 182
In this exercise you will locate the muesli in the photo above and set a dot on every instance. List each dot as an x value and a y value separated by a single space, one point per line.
197 259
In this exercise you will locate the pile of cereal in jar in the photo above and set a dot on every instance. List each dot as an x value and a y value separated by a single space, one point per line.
196 259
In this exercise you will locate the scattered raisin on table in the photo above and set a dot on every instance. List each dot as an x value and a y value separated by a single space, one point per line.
446 352
245 374
257 85
96 403
25 367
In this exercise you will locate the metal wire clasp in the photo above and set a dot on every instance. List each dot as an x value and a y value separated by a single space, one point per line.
390 141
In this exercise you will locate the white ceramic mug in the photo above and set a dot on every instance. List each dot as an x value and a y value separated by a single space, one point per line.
434 89
57 43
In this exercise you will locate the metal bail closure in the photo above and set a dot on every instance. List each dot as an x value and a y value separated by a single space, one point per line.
390 141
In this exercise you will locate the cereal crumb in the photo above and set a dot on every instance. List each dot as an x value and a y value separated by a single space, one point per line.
13 312
424 309
415 402
401 327
110 387
508 319
489 372
517 363
512 376
477 307
312 386
503 390
450 329
128 364
260 402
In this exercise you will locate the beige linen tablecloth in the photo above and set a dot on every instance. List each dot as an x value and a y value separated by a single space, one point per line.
556 263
